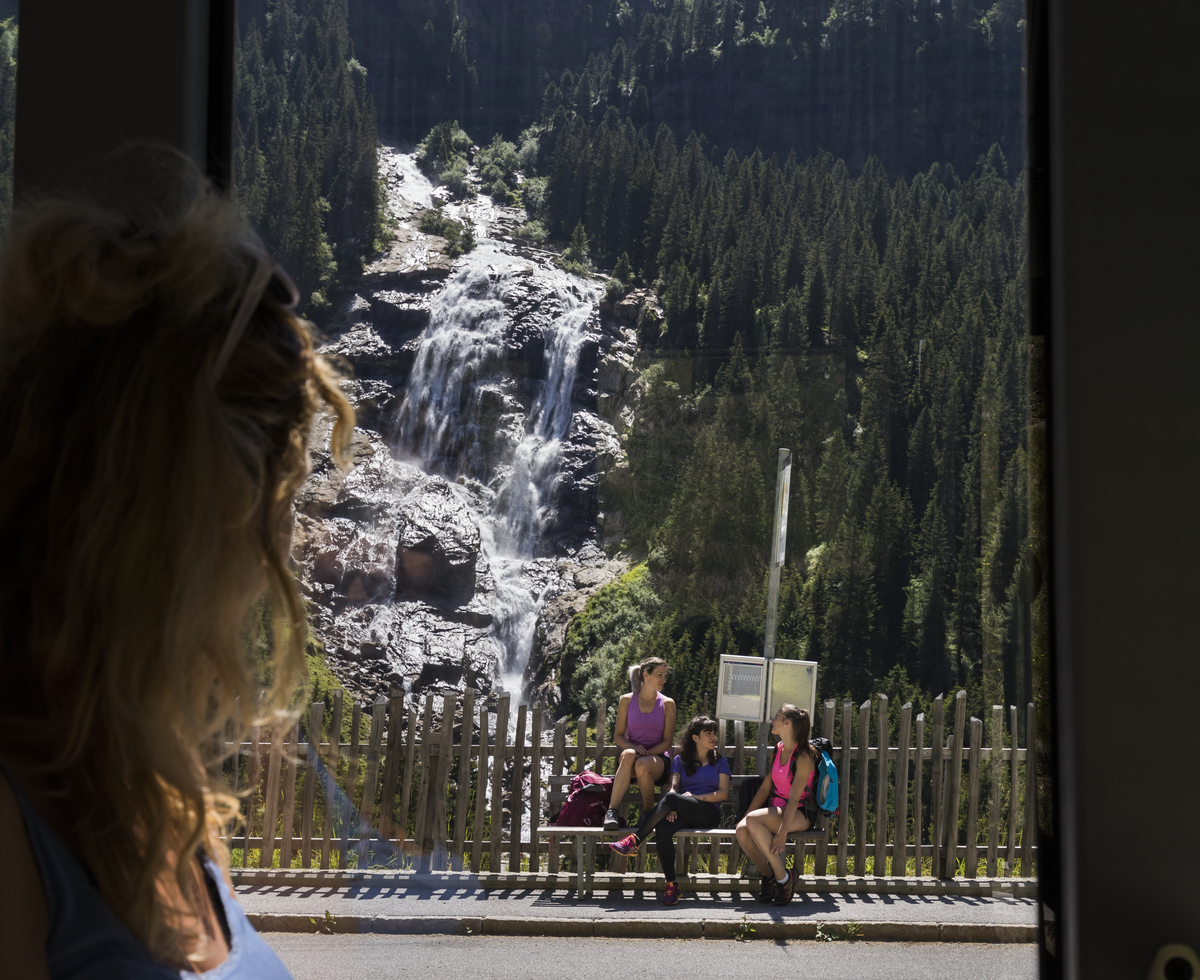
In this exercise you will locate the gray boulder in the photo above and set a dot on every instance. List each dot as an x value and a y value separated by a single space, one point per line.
437 546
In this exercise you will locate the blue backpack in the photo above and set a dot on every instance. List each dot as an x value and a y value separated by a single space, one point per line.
826 791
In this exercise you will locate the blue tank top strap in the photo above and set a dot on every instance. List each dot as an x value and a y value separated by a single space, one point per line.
250 958
86 941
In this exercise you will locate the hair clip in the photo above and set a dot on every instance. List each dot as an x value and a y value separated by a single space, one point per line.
268 274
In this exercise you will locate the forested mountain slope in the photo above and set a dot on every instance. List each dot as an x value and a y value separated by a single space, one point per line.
305 163
874 325
912 83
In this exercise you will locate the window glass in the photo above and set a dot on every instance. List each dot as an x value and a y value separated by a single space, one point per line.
593 264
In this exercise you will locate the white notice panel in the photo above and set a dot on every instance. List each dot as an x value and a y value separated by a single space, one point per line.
743 682
793 682
753 688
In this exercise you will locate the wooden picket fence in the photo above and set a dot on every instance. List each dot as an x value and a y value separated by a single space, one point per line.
418 789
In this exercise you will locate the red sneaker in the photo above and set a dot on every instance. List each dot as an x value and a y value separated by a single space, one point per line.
626 845
671 894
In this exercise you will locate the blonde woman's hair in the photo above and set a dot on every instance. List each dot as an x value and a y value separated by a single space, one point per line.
145 509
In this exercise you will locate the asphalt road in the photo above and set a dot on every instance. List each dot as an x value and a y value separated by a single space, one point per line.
374 957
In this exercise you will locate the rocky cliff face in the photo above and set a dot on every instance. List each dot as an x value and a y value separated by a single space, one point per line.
488 392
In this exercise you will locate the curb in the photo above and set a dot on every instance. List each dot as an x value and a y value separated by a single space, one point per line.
806 884
905 932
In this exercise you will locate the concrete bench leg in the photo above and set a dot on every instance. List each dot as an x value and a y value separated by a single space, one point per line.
579 871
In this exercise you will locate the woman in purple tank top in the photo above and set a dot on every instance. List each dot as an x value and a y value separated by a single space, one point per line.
645 730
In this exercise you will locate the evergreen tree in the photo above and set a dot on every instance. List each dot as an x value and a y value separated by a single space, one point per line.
851 610
577 251
305 167
885 395
922 462
926 608
622 272
889 534
833 486
815 299
680 308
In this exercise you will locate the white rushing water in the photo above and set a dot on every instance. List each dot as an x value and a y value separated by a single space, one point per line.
405 181
462 418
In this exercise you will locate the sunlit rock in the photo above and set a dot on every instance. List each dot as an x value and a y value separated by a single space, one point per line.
438 545
484 388
583 581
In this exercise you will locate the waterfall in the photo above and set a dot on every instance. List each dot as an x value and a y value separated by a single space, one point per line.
464 417
484 387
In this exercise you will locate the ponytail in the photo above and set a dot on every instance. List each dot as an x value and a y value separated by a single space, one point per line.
638 672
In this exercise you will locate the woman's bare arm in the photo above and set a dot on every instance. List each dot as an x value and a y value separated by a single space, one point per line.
760 797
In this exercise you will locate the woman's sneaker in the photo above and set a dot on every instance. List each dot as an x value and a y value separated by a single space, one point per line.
611 820
626 845
767 893
671 894
783 893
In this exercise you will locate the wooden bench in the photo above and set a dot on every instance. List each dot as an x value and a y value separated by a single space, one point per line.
585 838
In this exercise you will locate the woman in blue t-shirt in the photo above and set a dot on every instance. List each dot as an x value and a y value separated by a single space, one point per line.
699 781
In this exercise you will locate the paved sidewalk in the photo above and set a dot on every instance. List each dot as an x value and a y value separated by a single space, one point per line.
411 905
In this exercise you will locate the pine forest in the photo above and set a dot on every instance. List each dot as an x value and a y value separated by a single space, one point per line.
877 328
828 205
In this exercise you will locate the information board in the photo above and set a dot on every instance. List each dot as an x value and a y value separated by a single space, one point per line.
742 685
753 688
792 682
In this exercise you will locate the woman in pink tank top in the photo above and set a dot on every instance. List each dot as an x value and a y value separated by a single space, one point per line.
644 732
778 807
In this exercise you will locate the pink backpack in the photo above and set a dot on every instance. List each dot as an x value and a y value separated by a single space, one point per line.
587 800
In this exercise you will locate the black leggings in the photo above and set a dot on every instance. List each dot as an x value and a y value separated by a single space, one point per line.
691 814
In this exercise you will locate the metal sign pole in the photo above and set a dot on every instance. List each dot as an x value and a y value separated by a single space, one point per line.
783 481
